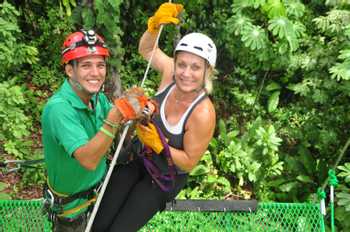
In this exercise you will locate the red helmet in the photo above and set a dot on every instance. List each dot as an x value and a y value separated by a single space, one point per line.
83 43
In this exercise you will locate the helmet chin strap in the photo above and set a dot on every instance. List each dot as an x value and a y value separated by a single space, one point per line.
73 81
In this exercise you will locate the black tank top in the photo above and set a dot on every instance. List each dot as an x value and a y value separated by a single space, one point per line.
174 139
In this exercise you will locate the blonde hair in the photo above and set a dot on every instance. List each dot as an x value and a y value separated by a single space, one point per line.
208 80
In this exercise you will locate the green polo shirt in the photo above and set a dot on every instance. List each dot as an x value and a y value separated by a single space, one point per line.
67 124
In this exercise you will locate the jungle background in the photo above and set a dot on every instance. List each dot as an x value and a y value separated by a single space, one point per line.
281 91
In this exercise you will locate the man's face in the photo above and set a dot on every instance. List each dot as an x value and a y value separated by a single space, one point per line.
90 73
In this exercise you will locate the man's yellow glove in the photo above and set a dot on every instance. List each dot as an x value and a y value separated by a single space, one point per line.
149 136
166 13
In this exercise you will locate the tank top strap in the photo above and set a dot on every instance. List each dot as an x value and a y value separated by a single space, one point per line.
192 107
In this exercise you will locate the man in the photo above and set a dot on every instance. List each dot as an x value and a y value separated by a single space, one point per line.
79 125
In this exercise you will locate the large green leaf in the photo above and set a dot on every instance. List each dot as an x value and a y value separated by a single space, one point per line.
199 170
273 101
254 37
274 9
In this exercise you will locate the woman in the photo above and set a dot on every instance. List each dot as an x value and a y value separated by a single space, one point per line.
186 119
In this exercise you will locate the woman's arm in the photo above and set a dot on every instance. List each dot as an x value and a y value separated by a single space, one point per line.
199 131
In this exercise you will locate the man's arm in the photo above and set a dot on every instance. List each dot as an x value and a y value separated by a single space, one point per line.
90 154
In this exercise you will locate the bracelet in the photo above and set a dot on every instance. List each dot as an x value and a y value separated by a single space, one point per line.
106 132
111 124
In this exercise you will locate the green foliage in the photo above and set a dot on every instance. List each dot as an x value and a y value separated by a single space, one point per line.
342 197
67 5
251 158
3 195
14 122
13 53
205 182
341 71
103 16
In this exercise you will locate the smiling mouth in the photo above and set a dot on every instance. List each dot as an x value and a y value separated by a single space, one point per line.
93 81
187 81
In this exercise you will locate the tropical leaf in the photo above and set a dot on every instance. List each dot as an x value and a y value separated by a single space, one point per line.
273 86
115 4
335 21
295 8
273 101
199 170
304 179
302 88
280 27
254 37
274 9
345 172
238 23
340 71
344 54
344 200
239 5
285 29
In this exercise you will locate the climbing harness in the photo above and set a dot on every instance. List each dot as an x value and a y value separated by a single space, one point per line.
166 182
54 202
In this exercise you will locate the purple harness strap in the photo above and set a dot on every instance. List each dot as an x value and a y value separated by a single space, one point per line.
165 181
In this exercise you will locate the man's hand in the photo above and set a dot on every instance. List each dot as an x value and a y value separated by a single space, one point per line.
149 136
132 103
166 13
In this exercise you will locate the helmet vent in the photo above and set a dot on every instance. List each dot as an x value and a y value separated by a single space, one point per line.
199 48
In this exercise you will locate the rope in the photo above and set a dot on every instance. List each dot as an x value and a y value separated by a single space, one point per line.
121 141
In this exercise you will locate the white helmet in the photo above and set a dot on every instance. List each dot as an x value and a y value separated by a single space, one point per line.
200 45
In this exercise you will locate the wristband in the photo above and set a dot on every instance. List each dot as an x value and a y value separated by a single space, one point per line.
106 132
111 124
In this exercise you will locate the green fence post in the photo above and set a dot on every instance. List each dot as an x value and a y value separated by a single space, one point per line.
321 194
333 182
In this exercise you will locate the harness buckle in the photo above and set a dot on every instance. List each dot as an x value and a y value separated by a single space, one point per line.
48 204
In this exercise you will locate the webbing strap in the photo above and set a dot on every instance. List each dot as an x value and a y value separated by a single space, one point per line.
78 208
65 198
161 179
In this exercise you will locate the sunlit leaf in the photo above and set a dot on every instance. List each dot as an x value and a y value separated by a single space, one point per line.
274 9
255 38
273 101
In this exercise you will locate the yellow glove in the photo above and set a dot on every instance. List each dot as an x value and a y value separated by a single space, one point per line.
166 13
149 136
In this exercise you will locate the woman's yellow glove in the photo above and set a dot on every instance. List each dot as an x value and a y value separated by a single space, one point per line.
149 136
166 13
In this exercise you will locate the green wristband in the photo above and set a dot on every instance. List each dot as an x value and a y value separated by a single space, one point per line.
111 124
106 132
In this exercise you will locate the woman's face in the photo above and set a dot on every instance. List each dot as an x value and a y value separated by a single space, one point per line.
190 71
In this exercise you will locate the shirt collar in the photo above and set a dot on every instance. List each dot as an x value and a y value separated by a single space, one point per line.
70 95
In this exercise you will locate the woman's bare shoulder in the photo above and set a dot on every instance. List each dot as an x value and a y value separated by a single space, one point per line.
204 114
